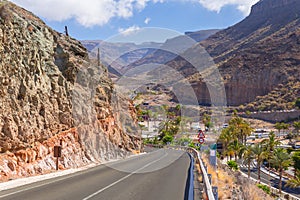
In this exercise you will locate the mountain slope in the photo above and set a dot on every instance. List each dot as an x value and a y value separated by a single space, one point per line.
256 55
259 53
130 55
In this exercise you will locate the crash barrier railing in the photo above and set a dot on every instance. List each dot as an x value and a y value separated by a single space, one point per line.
207 184
196 155
190 193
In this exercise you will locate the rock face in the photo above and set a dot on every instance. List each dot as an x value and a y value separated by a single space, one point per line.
43 100
258 54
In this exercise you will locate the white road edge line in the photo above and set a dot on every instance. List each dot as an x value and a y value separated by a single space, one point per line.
125 177
16 192
56 180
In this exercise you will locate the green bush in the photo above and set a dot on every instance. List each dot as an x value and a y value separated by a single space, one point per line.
233 165
297 103
207 151
192 145
167 139
264 188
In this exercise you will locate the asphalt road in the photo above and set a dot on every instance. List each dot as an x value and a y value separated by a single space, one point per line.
157 175
274 182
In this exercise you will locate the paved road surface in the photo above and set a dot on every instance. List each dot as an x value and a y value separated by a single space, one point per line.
274 181
159 175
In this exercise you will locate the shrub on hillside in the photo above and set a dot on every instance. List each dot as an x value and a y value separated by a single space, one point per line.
233 165
264 188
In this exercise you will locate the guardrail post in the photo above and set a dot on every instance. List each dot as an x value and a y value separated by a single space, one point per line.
215 192
205 167
209 178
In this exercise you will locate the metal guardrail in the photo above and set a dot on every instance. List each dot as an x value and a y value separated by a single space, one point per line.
196 154
206 182
190 194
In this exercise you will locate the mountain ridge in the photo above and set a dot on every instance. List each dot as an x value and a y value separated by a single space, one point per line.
137 52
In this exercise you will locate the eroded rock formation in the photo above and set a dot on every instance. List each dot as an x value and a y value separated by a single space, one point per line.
45 80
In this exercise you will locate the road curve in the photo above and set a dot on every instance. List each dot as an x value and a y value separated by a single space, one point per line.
157 175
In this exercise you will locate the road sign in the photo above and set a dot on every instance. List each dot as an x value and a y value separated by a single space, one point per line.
201 140
57 154
213 158
201 134
57 151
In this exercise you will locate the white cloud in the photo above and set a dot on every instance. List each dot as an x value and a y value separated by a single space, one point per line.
147 20
216 5
98 12
88 12
129 31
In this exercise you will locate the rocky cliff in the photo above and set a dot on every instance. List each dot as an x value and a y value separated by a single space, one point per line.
261 53
45 80
256 58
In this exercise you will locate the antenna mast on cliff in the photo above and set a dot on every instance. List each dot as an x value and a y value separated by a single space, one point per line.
98 57
66 31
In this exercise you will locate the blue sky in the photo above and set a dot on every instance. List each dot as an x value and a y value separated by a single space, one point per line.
101 19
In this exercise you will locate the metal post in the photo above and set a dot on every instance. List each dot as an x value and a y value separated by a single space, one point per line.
205 168
98 57
209 178
57 153
215 192
56 163
66 31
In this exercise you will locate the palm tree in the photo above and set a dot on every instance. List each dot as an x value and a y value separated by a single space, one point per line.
278 127
296 161
281 159
259 155
147 114
226 137
294 182
248 157
241 129
270 144
235 147
281 126
155 117
183 123
206 119
296 126
169 127
285 126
